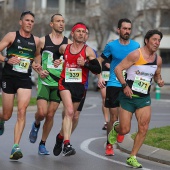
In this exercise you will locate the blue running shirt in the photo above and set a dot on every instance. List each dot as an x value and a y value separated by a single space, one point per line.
118 52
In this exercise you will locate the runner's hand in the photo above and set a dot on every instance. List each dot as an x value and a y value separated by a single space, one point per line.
101 82
80 61
160 83
57 62
13 60
128 92
43 73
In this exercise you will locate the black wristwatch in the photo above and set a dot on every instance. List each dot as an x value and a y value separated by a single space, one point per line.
6 59
124 85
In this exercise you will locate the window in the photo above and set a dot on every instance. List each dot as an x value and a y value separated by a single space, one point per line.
52 3
165 54
165 15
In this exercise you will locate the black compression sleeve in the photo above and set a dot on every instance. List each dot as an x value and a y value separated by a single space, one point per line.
93 66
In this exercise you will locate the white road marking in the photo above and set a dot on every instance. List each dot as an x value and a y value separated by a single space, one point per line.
84 147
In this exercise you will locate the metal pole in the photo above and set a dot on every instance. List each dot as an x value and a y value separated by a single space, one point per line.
62 7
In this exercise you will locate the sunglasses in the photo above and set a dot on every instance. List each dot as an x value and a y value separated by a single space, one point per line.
25 13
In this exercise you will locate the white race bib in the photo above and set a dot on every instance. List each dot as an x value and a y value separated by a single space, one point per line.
141 84
73 75
23 66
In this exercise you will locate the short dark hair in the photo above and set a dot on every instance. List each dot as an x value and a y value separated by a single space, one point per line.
123 20
25 13
150 33
52 17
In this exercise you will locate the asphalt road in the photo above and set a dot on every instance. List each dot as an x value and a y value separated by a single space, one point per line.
88 140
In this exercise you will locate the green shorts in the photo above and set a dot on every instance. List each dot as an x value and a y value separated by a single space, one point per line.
131 104
49 93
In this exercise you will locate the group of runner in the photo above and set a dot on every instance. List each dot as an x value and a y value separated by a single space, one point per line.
63 66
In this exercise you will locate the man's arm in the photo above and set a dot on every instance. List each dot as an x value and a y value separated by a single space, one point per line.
39 45
36 65
126 63
157 76
6 42
92 64
62 48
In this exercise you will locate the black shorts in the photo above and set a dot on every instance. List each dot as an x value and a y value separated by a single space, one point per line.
82 102
112 94
10 85
77 90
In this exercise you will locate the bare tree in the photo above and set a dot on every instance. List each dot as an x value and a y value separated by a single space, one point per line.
110 12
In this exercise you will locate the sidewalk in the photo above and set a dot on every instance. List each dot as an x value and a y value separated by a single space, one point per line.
146 152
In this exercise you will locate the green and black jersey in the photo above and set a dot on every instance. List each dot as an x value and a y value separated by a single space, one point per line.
24 49
49 53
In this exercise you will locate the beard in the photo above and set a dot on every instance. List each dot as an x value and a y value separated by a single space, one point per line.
125 37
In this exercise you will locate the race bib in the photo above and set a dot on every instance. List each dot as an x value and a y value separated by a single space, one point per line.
50 60
105 75
49 56
141 84
73 75
23 66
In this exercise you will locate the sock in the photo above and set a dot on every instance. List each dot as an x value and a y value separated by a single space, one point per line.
59 136
15 145
66 142
42 142
37 126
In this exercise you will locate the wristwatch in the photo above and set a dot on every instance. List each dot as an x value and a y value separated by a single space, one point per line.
6 59
124 85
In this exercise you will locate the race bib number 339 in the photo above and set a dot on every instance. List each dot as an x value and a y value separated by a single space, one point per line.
73 75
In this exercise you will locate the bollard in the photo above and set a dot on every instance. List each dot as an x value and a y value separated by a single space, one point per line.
158 92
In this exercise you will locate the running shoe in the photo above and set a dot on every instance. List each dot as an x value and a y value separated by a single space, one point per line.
105 126
132 161
16 153
58 147
112 136
42 150
120 138
2 128
33 133
109 150
68 150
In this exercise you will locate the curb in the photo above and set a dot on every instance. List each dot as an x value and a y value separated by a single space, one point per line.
146 152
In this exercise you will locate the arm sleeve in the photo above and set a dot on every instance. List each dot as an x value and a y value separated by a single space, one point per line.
93 66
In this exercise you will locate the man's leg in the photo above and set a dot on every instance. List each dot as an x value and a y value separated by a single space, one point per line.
75 120
42 106
23 99
67 121
48 124
113 117
104 109
143 116
7 109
